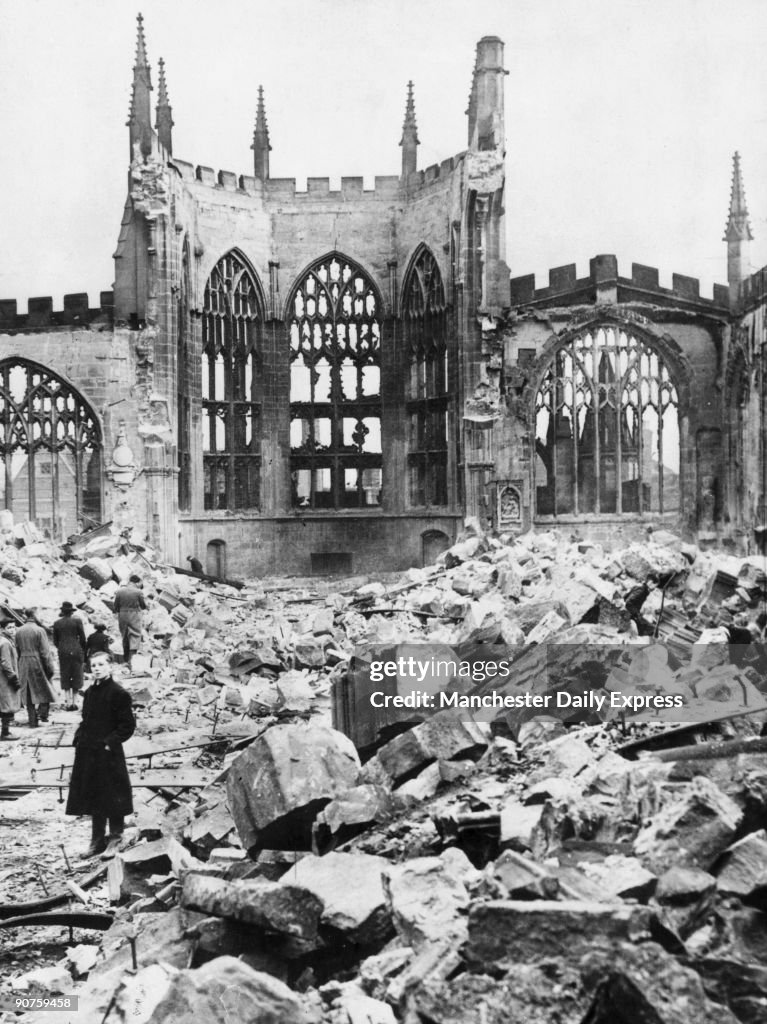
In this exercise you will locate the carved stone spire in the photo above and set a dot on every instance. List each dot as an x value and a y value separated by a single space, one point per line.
164 114
409 140
140 117
737 232
261 147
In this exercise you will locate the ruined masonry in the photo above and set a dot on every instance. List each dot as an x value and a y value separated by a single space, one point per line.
332 379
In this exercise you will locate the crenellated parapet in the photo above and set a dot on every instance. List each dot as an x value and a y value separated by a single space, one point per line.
385 186
604 284
40 315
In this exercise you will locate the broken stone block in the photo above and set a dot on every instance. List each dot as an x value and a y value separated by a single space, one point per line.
529 995
524 879
741 987
515 931
743 870
642 561
352 813
310 653
518 823
276 907
295 692
280 783
221 991
425 899
552 622
482 622
323 621
350 888
646 984
444 736
529 613
621 877
681 885
44 981
694 829
424 785
97 571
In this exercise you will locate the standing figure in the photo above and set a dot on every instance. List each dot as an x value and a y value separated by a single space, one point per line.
35 669
129 604
194 563
99 640
10 702
69 638
100 785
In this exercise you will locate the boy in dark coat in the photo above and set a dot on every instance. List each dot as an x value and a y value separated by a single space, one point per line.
100 785
69 638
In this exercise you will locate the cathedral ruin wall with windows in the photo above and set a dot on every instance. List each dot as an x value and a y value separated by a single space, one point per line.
331 379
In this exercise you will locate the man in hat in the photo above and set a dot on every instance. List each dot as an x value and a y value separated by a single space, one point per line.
129 604
194 563
69 638
9 679
100 784
35 669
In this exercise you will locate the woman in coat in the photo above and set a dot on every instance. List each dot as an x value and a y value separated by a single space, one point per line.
35 669
100 785
69 638
10 701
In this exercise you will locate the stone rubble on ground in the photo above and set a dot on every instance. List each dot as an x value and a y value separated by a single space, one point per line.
443 870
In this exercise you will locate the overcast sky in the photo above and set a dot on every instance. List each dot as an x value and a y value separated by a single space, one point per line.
621 117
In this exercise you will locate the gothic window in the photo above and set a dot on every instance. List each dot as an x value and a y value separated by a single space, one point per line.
231 346
606 428
425 336
50 446
183 375
334 326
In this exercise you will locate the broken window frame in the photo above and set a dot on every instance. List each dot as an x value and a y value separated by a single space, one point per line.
334 328
631 378
232 327
428 403
52 417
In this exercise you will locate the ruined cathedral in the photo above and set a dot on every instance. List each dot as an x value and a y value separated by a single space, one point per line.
330 380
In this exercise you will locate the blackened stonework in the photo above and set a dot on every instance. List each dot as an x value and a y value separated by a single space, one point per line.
292 380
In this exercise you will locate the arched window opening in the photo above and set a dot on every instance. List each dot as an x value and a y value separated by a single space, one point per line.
231 347
334 327
183 381
425 336
607 428
215 558
51 450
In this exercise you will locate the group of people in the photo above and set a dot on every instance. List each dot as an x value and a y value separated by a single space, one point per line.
27 665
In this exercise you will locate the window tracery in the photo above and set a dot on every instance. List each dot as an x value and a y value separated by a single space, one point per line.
231 346
334 329
51 450
606 428
425 337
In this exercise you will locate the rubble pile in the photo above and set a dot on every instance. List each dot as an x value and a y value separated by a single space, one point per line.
440 869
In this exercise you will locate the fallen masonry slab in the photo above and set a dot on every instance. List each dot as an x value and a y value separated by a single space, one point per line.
219 992
743 870
278 785
279 908
444 736
516 931
350 888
